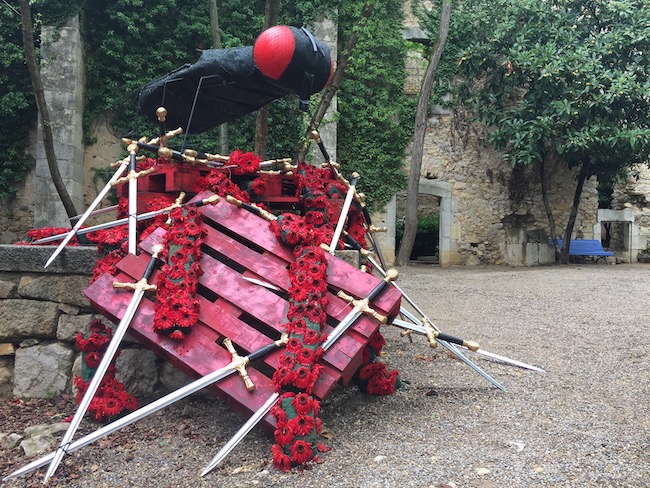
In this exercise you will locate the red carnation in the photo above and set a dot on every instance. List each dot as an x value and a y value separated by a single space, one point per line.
92 359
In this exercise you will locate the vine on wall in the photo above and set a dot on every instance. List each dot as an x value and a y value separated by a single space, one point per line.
131 42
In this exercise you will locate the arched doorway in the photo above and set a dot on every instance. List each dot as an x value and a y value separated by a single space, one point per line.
447 249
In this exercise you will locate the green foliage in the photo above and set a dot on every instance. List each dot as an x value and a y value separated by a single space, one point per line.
563 76
17 104
131 42
427 237
376 116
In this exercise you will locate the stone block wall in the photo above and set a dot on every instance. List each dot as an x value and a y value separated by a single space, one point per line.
41 312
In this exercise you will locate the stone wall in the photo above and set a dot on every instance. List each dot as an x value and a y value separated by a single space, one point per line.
40 315
634 193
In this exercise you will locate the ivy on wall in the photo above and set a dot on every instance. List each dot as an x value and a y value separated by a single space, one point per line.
131 42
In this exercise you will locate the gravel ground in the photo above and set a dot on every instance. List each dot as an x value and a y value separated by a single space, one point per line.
585 422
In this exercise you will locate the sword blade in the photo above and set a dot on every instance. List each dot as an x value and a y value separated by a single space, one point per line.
85 215
130 418
508 360
344 214
109 354
241 433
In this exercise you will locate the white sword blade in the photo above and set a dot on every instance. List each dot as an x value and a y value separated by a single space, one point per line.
94 384
241 433
130 418
85 215
507 360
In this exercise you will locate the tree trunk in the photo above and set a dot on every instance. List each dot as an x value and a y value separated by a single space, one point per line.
547 207
216 44
333 87
582 177
271 12
39 95
411 220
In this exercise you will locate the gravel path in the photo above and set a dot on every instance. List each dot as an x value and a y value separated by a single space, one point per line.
583 423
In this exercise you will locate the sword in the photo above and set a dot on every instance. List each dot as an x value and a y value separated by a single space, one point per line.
344 212
85 215
139 288
133 199
96 212
155 406
472 346
432 329
145 216
343 325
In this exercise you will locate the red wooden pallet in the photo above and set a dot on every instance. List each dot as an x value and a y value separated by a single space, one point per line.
237 244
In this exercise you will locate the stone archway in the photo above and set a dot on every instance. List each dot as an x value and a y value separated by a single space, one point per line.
448 250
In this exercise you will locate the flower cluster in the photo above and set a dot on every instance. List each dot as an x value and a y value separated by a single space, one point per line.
177 308
373 377
111 398
296 416
219 183
246 163
297 429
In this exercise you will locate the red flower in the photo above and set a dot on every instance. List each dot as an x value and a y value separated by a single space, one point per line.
310 337
111 406
377 341
259 186
92 359
283 434
287 361
280 460
283 376
302 403
294 345
177 335
279 414
305 356
303 378
302 425
301 452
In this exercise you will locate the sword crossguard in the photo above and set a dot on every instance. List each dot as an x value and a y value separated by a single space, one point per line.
163 140
431 333
251 208
133 175
143 285
239 363
363 306
177 203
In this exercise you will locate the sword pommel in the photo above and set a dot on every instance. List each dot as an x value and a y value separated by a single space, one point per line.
239 363
471 345
161 114
391 275
315 136
211 200
374 229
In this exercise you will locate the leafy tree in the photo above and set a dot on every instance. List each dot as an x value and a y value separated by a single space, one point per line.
561 78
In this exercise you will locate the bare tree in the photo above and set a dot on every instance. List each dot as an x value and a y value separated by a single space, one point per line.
39 94
216 44
271 12
411 220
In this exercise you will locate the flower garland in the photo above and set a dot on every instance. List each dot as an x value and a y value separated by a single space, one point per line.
176 309
111 399
296 415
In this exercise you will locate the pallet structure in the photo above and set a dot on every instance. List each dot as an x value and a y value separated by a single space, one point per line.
239 244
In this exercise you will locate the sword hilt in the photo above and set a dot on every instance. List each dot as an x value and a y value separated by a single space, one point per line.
239 363
143 283
177 203
133 175
433 334
260 212
363 306
374 229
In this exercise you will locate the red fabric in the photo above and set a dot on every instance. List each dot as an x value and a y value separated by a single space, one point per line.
274 50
